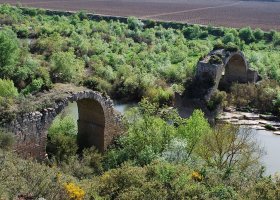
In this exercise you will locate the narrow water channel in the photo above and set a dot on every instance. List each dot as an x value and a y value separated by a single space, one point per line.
267 140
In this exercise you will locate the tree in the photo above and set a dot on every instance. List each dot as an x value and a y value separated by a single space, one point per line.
258 34
226 147
192 32
246 34
65 67
7 89
229 37
134 23
193 130
62 138
9 53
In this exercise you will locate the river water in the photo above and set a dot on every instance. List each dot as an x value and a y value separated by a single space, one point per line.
269 141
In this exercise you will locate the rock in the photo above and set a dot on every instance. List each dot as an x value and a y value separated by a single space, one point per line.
246 122
251 116
229 109
276 132
269 117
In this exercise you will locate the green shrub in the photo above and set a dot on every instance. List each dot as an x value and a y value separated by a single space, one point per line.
29 180
159 95
219 98
246 34
9 53
229 37
66 67
7 89
231 47
192 32
84 166
62 138
6 140
237 95
259 34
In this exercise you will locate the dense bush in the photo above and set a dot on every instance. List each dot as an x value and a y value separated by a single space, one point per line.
246 34
65 67
6 140
262 96
62 137
9 53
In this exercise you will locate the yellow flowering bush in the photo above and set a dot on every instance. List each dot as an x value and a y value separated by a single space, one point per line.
74 192
196 176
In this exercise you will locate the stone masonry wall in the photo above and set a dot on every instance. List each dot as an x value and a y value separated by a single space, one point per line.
30 129
227 67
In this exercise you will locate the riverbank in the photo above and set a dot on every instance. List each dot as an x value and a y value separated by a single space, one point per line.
254 120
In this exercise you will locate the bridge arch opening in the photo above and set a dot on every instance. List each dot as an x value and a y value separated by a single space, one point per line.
91 124
234 71
85 125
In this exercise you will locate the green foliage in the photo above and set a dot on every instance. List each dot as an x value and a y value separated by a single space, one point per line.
9 52
219 98
193 130
262 96
276 39
28 179
66 67
134 23
159 95
259 34
246 34
86 165
6 140
7 89
226 148
62 138
193 32
8 93
229 37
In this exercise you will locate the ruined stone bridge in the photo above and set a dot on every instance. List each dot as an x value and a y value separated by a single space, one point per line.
219 70
98 123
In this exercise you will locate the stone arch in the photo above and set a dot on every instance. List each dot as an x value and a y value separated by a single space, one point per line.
220 68
98 123
235 70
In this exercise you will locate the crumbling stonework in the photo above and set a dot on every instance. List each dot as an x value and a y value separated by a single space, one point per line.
98 124
221 67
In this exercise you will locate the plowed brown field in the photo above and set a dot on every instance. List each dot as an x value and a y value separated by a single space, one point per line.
230 13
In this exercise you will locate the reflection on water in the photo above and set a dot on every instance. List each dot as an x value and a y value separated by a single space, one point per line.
123 107
270 142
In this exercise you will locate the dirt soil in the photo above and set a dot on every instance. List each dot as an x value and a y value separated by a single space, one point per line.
229 13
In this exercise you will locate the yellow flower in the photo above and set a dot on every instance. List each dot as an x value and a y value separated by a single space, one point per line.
196 176
74 192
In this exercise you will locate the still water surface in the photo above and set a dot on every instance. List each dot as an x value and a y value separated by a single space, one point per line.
269 141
